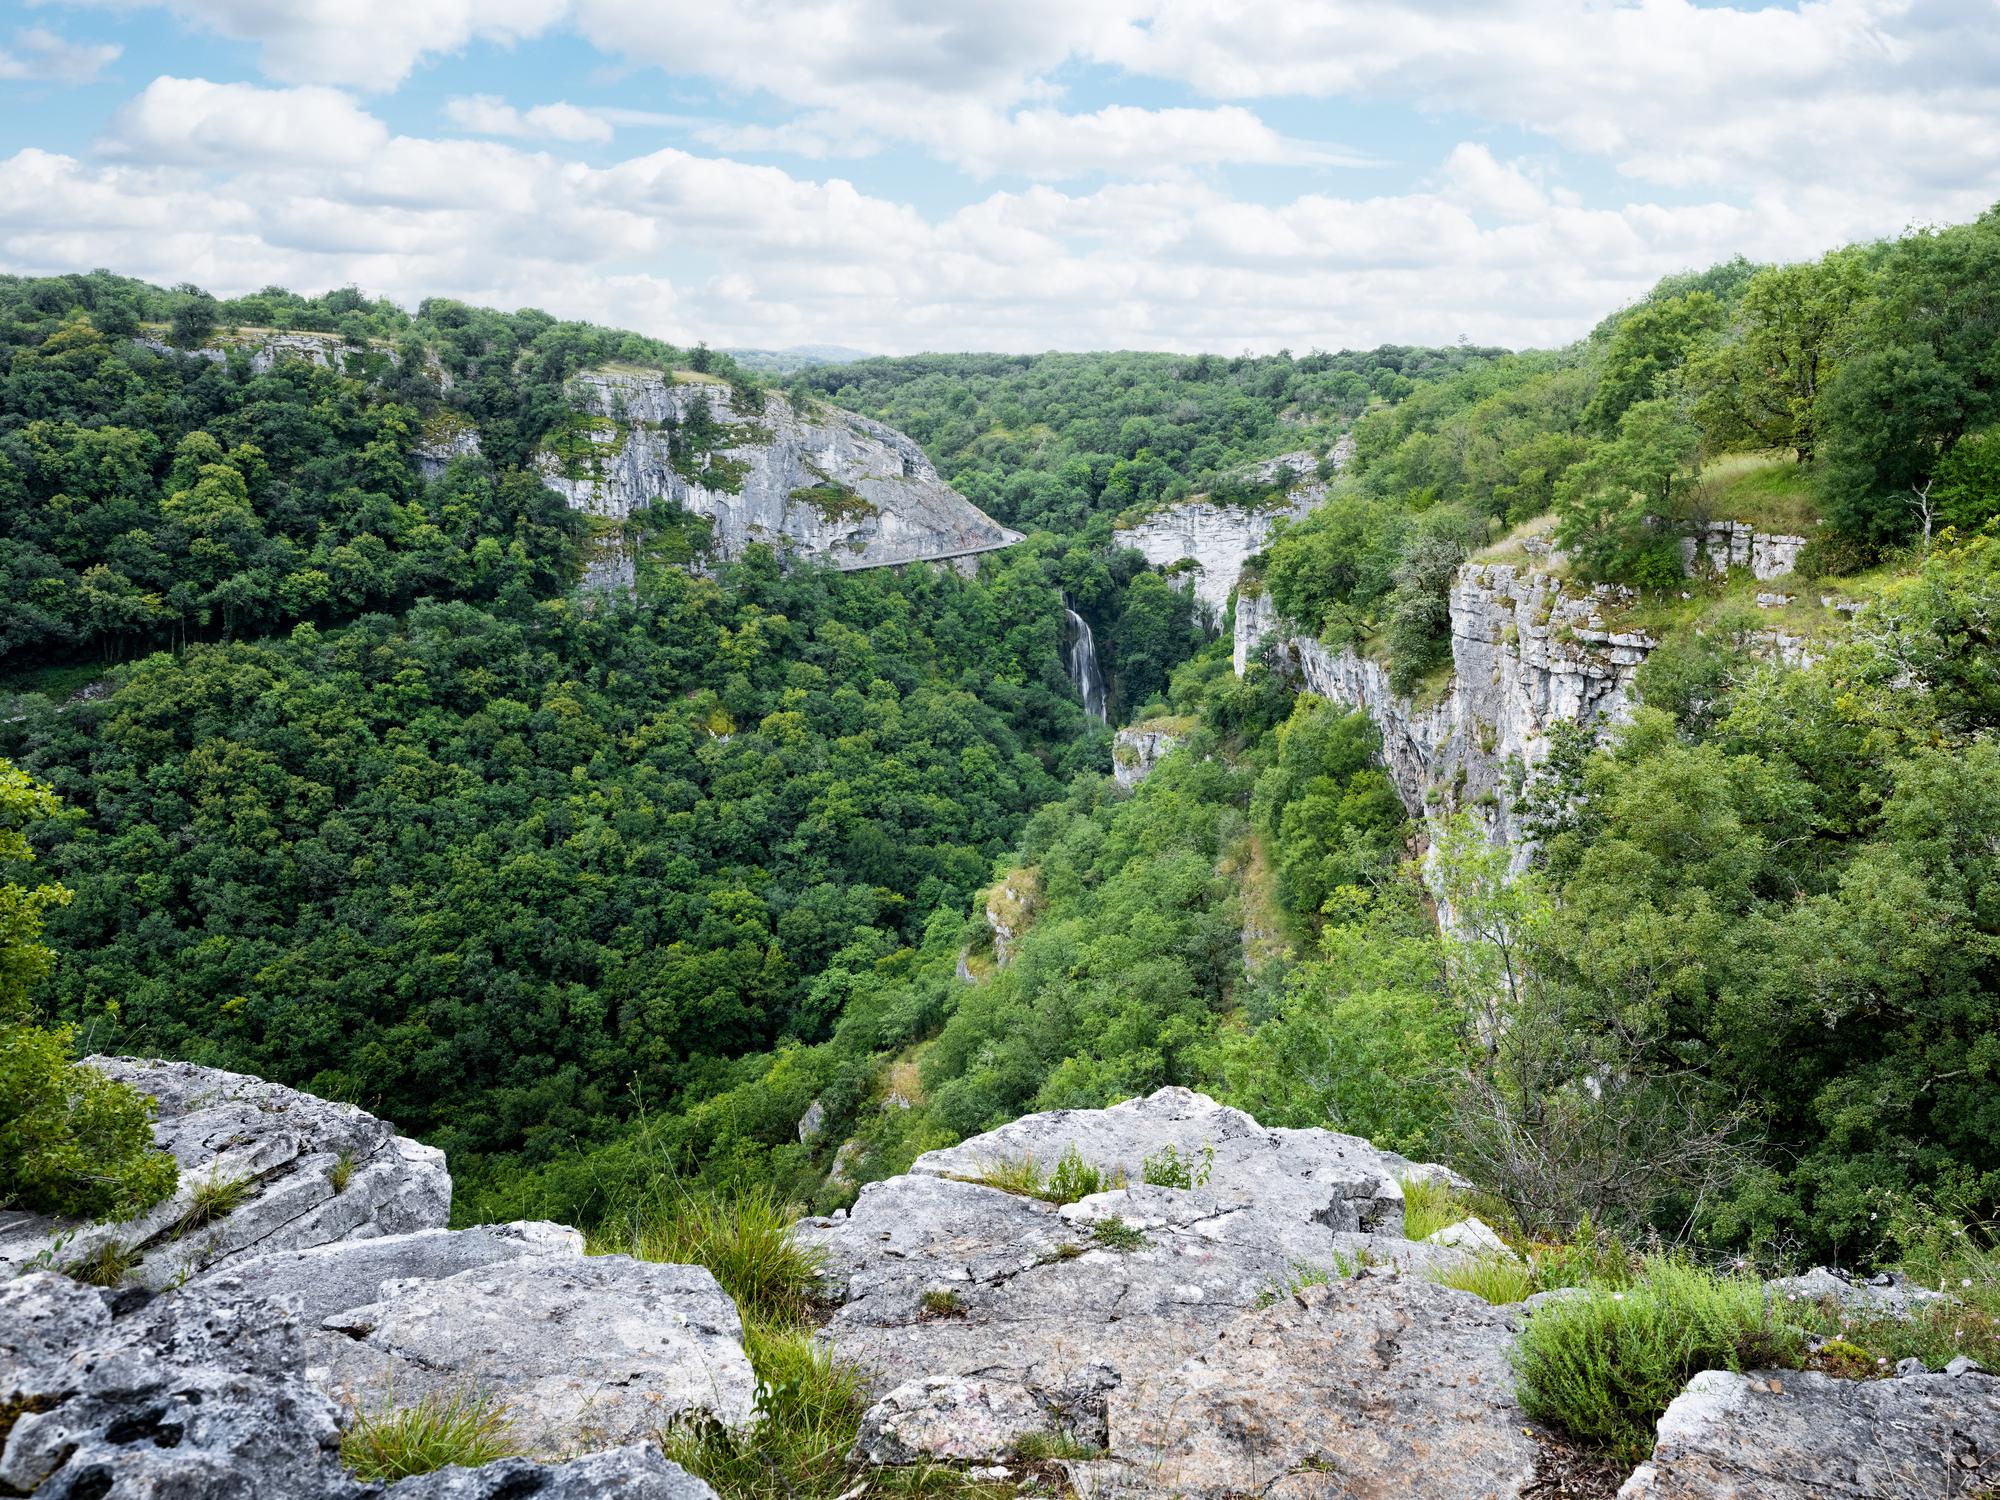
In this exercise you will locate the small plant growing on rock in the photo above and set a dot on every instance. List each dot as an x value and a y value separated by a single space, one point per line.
1116 1234
107 1265
213 1199
1303 1275
466 1429
1168 1168
341 1172
1498 1279
1067 1250
942 1302
1019 1175
1052 1447
1428 1206
746 1242
1073 1178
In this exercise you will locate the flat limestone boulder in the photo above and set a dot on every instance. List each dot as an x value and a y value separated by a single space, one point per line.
184 1395
1384 1385
1471 1234
1338 1181
331 1278
949 1417
1797 1435
939 1277
277 1169
637 1472
587 1353
1882 1296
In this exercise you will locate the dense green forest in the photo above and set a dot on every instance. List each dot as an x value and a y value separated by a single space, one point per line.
589 893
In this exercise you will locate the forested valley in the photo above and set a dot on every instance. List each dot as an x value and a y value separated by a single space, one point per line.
348 786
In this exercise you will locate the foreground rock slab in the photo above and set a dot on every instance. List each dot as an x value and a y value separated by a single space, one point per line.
298 1171
1796 1435
1383 1385
638 1472
949 1417
587 1353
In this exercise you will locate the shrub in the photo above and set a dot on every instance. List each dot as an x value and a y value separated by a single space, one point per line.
1116 1234
1168 1168
1604 1366
468 1429
745 1241
73 1142
1073 1178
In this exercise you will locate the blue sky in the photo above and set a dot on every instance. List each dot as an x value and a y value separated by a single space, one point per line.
908 174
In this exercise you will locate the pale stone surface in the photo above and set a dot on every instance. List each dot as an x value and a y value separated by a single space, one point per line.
636 1472
948 1417
1382 1385
1722 545
188 1395
1893 1295
329 1278
1796 1435
1137 748
587 1353
1042 1302
905 511
222 1127
1471 1234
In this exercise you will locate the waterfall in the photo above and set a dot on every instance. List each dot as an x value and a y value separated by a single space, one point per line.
1080 657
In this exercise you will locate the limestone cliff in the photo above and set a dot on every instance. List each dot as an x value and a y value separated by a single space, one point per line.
822 483
1216 540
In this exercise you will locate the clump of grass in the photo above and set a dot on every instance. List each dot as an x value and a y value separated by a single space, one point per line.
942 1302
1067 1250
1497 1278
1168 1168
1302 1275
1116 1234
1428 1206
746 1242
1072 1179
108 1265
213 1199
341 1172
1589 1257
467 1428
1052 1447
1605 1365
809 1407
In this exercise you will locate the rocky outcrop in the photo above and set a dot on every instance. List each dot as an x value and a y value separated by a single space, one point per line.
1137 748
1887 1295
1010 909
823 483
1216 540
263 1168
1064 1317
586 1352
1721 545
446 436
1795 1435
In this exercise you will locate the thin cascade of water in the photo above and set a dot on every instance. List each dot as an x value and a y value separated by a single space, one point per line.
1080 657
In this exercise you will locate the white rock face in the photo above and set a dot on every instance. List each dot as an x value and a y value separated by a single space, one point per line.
284 1147
1218 539
587 1352
892 506
1722 545
1137 748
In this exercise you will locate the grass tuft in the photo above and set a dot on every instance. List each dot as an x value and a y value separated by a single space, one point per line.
341 1172
1497 1278
468 1429
1428 1206
1303 1275
942 1302
216 1198
108 1265
1604 1366
746 1242
1072 1179
1116 1234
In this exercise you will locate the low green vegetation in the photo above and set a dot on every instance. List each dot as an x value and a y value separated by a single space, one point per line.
212 1198
1167 1167
1430 1204
1603 1366
107 1265
1116 1234
1498 1279
745 1240
1070 1179
1303 1275
468 1429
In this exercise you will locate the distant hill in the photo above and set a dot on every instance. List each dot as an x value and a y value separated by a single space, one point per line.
785 361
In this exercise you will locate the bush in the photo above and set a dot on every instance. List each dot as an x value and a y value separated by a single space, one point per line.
746 1242
73 1142
1604 1366
467 1429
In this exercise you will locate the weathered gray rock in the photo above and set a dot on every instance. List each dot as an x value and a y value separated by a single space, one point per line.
1882 1296
286 1147
1722 545
587 1353
188 1395
1471 1234
637 1472
1795 1435
1137 748
822 483
1042 1300
1381 1385
331 1278
949 1417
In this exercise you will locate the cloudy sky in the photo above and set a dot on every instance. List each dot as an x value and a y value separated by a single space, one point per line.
940 174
